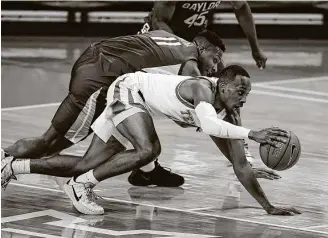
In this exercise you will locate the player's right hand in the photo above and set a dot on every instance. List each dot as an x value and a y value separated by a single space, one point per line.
259 58
283 211
269 136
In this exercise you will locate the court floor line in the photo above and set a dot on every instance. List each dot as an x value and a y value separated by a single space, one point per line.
181 210
295 80
315 227
6 109
23 232
201 208
311 99
295 90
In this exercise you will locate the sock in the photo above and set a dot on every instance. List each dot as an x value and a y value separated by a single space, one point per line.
87 177
148 167
21 166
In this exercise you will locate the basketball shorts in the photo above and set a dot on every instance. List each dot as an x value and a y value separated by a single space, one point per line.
123 100
86 98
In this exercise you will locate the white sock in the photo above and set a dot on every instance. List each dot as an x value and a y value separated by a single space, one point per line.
87 177
21 166
148 167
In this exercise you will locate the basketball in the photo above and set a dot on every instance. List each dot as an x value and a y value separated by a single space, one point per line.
284 156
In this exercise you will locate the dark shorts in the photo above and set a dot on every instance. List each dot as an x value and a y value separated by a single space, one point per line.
86 98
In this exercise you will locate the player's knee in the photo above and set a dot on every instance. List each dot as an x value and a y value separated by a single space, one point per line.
149 152
52 142
80 169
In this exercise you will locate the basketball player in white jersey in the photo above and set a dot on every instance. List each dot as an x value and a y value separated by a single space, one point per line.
200 102
207 103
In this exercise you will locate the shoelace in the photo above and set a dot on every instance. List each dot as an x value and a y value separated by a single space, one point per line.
5 184
92 196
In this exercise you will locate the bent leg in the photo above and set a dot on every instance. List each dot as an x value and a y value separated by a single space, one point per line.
140 131
72 121
51 142
69 165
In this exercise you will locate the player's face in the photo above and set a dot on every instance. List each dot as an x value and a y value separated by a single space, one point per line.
209 59
234 94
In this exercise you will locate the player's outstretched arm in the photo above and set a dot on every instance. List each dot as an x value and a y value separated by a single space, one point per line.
245 19
212 125
245 174
162 14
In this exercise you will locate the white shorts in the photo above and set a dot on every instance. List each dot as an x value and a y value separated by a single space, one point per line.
123 100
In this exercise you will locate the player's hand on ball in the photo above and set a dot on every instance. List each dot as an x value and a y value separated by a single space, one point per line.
269 136
284 211
265 174
259 58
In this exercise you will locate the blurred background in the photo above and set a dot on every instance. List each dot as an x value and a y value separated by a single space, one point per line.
274 19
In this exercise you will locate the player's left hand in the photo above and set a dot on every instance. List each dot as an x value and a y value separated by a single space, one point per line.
259 58
266 174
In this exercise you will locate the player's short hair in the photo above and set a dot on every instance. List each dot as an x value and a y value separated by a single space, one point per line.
229 73
213 38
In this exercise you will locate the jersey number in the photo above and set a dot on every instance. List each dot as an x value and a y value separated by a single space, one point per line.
196 19
171 41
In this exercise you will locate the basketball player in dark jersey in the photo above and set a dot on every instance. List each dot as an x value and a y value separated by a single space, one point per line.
97 68
187 18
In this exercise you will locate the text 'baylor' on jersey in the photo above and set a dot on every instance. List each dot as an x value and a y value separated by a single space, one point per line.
189 17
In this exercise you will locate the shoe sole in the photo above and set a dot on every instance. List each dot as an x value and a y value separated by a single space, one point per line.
76 204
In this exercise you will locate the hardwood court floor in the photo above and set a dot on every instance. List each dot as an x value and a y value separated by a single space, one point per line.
37 71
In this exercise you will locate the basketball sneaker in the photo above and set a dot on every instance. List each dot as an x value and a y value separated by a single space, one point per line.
159 176
82 196
7 173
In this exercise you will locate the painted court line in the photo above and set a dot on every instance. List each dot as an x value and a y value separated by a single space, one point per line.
183 211
30 233
295 90
315 227
311 99
7 109
295 80
201 208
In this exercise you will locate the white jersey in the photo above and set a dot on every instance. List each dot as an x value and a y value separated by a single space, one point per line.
159 94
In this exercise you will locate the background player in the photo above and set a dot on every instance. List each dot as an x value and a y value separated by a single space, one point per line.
98 67
187 18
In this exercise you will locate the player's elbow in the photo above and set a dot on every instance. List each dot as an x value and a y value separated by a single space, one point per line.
209 128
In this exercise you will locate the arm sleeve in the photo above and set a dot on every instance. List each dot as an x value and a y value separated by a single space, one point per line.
214 126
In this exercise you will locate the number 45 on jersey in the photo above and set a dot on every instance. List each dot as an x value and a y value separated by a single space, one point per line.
197 19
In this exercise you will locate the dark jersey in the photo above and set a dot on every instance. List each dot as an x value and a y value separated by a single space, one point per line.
126 54
190 17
